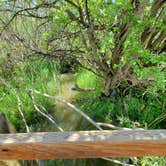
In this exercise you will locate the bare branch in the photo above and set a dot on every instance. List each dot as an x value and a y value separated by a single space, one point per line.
42 5
42 113
21 113
69 105
77 88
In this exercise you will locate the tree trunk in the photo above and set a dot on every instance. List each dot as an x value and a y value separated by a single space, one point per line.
107 88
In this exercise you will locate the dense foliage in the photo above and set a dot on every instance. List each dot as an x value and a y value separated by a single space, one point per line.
121 41
113 52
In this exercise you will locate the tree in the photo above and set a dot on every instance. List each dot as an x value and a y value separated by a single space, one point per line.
123 42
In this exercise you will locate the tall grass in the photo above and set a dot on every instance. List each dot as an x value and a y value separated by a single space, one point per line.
37 75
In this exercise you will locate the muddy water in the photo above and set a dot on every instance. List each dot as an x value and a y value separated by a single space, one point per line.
69 120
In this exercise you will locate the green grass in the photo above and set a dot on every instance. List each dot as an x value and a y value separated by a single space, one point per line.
35 75
132 110
87 79
127 111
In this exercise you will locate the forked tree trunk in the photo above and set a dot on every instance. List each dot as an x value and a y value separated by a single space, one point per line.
154 40
107 87
111 82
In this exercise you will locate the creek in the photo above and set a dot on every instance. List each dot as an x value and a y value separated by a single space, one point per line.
68 120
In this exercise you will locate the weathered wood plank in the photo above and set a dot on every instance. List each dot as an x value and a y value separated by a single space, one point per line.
83 144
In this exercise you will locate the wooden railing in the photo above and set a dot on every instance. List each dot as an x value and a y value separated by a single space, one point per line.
83 144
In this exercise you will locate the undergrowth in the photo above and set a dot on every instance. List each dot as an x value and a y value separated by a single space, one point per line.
134 109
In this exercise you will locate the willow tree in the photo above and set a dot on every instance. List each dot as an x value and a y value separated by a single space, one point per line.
122 41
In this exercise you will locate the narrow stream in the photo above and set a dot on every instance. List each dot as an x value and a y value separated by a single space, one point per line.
69 120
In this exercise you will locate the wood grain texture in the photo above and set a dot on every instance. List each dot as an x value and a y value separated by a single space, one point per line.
83 144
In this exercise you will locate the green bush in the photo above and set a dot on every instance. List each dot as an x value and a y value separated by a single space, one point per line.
132 110
127 111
